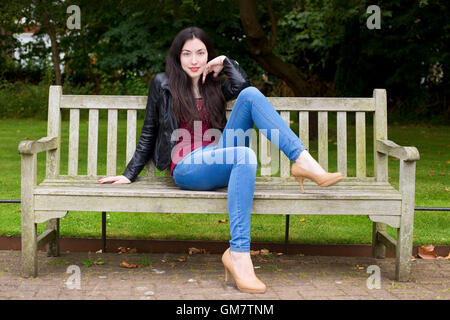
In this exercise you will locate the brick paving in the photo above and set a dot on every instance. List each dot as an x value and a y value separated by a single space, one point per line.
201 277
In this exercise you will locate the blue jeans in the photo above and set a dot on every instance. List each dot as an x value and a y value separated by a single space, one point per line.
232 163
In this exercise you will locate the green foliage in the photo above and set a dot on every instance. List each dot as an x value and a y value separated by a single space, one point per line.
327 40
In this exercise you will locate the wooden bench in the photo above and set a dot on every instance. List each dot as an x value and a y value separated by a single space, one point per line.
275 191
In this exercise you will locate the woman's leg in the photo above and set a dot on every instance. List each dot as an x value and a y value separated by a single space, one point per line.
252 107
196 173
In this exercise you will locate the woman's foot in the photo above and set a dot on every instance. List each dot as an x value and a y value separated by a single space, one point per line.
306 167
240 265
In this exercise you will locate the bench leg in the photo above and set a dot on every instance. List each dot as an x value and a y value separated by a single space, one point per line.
405 232
403 252
53 245
378 248
29 261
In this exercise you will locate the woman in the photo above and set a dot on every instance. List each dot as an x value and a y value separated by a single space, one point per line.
190 93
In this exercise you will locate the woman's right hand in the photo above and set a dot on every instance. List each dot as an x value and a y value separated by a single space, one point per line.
115 180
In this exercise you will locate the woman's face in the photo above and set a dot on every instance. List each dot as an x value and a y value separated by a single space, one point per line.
194 58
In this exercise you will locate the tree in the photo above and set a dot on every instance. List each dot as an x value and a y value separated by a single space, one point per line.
262 48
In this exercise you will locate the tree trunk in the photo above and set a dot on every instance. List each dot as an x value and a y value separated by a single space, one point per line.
50 28
262 50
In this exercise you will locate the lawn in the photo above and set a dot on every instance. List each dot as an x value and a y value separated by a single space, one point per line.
432 190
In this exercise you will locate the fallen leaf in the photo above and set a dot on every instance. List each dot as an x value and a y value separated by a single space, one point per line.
302 219
124 264
223 220
254 252
181 259
264 251
194 250
427 252
447 189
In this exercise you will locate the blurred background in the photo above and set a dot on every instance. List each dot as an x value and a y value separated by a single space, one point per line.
287 47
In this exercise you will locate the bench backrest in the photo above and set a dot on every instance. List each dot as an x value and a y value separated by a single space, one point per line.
272 161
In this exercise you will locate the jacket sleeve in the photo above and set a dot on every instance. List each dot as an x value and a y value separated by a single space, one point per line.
236 79
145 147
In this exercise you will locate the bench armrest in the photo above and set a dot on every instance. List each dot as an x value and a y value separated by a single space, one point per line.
36 146
392 149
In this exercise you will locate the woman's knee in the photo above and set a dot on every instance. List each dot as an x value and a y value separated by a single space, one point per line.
249 92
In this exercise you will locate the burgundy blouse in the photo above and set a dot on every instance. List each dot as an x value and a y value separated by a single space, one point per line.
182 147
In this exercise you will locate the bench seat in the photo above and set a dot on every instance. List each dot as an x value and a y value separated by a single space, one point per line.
160 194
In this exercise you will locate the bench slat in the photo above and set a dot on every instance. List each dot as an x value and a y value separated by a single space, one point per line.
265 154
279 103
323 139
285 170
92 142
303 117
74 129
342 142
111 158
318 104
131 134
360 144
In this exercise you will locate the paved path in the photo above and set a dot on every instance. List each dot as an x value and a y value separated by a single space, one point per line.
200 277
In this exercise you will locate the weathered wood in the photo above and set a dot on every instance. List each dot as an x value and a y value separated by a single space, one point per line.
304 128
285 163
74 133
387 240
45 237
405 232
29 230
131 134
393 221
54 130
378 248
45 215
36 146
92 143
380 163
360 144
318 104
265 154
52 244
323 139
111 158
392 149
103 102
342 142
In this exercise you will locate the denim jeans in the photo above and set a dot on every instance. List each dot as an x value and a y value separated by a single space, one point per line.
232 163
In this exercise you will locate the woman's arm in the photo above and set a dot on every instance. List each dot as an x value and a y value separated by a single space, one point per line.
236 80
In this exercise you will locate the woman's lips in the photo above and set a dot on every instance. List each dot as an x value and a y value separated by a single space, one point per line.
194 69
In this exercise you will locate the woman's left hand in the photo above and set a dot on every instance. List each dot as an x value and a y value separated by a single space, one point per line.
215 65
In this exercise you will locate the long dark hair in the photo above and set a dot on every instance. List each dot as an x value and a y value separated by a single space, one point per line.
181 87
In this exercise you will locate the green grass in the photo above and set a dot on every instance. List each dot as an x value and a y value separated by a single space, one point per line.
432 185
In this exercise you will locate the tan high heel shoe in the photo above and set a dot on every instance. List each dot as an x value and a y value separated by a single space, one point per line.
322 180
248 286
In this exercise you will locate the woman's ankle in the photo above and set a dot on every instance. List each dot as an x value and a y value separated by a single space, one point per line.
306 161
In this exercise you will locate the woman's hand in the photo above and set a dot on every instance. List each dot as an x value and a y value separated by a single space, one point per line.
115 180
215 65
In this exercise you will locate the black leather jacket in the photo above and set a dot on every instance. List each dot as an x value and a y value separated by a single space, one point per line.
154 142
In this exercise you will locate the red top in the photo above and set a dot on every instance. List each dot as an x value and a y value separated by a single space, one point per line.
194 140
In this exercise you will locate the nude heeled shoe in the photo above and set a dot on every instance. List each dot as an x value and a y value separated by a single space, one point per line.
248 286
322 180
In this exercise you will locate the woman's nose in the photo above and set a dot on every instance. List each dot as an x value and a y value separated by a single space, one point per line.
194 59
